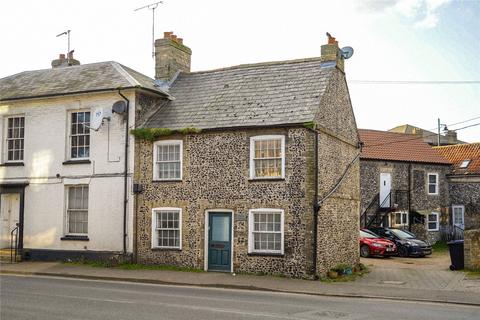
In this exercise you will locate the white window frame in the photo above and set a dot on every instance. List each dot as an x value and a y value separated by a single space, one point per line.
67 216
403 222
462 207
464 164
252 155
69 135
6 137
251 244
154 228
437 184
155 155
437 221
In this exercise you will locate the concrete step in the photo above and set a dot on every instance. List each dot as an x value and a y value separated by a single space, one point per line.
7 254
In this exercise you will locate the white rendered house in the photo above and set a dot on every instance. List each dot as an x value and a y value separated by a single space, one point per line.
69 186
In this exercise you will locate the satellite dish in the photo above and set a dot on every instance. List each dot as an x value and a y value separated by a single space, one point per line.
97 119
119 107
346 52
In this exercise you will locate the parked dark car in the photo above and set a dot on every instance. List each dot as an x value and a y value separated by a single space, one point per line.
373 245
407 243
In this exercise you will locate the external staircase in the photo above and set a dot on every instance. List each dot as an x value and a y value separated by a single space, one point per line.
376 212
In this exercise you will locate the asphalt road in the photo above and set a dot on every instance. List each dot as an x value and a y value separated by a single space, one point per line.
50 298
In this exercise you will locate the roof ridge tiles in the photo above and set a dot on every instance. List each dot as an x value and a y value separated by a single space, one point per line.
258 64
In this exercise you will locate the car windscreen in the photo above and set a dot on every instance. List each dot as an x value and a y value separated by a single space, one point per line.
364 234
402 234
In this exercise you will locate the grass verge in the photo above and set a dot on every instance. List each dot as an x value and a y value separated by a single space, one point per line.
130 266
440 247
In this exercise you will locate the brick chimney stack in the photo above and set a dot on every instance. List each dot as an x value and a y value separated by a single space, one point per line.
171 55
63 61
331 53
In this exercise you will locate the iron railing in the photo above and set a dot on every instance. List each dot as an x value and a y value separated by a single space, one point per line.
14 244
451 232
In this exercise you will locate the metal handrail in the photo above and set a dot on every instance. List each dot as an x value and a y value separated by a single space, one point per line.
387 198
14 231
365 212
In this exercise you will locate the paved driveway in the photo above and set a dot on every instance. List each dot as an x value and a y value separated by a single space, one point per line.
431 272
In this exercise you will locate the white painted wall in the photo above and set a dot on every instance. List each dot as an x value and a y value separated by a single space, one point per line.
46 148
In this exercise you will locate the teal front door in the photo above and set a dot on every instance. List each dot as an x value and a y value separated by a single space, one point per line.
219 241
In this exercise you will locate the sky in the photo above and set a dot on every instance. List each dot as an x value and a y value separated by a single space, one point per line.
394 40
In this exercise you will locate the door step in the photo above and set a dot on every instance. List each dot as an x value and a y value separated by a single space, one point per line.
7 254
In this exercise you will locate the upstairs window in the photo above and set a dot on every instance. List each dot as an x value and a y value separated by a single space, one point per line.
167 157
267 157
80 135
15 138
464 164
432 183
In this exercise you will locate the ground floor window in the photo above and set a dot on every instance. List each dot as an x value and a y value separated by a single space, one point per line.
399 219
266 231
433 221
77 210
167 228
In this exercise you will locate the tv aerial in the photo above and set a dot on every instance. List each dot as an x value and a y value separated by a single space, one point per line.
67 33
152 6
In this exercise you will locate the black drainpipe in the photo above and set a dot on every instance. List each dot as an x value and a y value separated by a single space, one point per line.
125 176
409 196
316 206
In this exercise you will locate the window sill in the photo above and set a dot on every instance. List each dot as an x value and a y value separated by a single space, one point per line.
266 179
266 254
75 238
165 249
12 164
169 180
76 162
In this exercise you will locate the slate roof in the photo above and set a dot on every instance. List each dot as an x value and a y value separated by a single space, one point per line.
384 145
92 77
456 154
262 94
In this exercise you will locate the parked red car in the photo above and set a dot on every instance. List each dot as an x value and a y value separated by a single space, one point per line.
373 245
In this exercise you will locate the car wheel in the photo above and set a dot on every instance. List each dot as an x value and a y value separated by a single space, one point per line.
403 252
364 251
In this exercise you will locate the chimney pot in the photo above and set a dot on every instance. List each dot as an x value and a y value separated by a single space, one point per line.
61 56
180 40
167 34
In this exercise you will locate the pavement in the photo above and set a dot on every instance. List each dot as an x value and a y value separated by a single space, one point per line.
385 281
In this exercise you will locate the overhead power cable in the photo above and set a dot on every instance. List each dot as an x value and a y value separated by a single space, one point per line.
448 82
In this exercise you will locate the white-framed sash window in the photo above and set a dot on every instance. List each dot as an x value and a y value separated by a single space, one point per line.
433 221
77 210
167 228
266 231
432 183
167 160
267 157
15 138
79 135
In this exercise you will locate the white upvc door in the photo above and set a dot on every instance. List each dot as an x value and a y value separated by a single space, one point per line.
385 188
458 216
